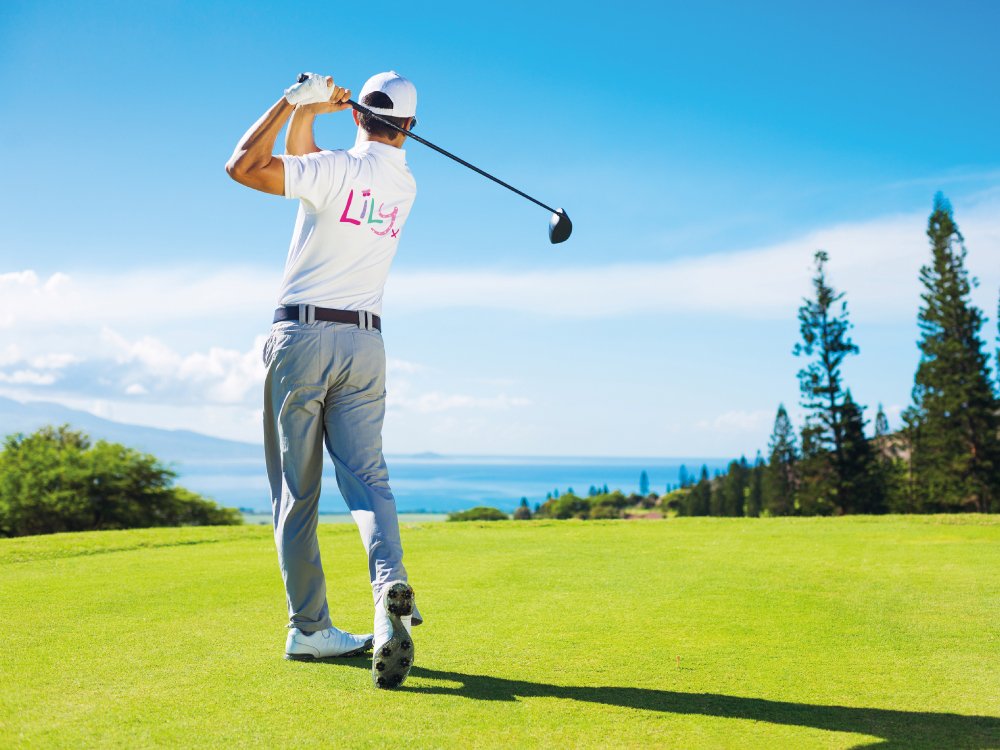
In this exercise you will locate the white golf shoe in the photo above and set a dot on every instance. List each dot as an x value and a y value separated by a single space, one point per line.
392 650
323 644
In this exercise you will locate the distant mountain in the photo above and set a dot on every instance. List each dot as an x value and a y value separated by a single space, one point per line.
170 446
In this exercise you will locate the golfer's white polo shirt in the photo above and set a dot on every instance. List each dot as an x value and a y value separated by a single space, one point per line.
353 205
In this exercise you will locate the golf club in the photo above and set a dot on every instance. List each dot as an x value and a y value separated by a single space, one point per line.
560 226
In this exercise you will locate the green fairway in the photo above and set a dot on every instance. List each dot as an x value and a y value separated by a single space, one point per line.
742 633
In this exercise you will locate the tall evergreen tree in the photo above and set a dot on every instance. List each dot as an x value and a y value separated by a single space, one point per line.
779 478
644 483
953 421
729 496
881 423
861 488
701 495
824 325
755 494
817 481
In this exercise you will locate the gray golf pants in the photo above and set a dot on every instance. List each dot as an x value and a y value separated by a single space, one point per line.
326 383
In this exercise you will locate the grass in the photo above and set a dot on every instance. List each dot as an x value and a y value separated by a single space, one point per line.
826 633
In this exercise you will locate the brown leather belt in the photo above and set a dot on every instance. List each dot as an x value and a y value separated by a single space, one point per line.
311 313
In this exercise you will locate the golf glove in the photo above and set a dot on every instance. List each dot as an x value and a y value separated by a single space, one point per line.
313 90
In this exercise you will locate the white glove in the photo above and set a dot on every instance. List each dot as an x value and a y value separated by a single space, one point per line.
313 90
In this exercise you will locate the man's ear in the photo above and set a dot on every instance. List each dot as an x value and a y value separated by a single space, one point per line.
357 118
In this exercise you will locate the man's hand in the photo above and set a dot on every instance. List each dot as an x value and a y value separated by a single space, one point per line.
318 94
336 102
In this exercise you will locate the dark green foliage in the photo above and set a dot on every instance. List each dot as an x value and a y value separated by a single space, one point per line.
699 499
610 505
565 506
644 483
881 423
824 326
523 512
54 480
755 491
604 505
860 489
729 496
836 472
816 480
779 482
481 513
738 491
953 421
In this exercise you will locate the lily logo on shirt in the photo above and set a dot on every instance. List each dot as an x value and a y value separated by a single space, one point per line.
368 209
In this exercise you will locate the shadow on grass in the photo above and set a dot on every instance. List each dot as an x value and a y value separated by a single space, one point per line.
896 729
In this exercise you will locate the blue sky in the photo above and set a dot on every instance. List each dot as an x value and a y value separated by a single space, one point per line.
704 152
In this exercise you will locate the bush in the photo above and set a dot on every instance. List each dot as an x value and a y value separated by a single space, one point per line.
522 512
55 480
565 506
605 511
482 513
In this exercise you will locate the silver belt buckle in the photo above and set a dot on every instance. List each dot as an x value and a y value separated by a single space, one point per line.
365 320
307 313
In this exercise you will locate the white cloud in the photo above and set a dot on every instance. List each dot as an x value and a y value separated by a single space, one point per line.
27 377
147 366
875 262
405 396
393 365
158 345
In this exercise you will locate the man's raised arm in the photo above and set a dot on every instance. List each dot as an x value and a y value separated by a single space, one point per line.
253 162
299 138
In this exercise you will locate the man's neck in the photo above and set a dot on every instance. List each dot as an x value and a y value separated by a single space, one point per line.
396 142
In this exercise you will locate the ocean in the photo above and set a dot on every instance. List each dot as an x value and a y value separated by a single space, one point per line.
441 484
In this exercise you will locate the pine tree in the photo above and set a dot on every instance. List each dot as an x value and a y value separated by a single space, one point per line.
881 423
953 422
701 495
755 493
824 325
861 489
779 477
644 483
817 481
729 498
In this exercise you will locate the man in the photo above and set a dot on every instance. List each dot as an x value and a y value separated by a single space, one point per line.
325 358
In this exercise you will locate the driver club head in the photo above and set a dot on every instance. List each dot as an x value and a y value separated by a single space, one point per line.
560 227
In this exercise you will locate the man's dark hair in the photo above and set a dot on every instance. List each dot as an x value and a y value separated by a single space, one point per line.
372 126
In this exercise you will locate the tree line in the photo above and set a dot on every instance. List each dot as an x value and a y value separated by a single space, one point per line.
57 480
944 458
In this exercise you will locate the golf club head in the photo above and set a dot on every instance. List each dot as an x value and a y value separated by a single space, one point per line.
560 227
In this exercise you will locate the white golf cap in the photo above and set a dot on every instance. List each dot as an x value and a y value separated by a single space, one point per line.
400 90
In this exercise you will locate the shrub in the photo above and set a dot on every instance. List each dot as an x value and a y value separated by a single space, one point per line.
481 513
523 512
55 480
605 511
565 506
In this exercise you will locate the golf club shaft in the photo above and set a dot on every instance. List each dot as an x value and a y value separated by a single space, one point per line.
463 162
